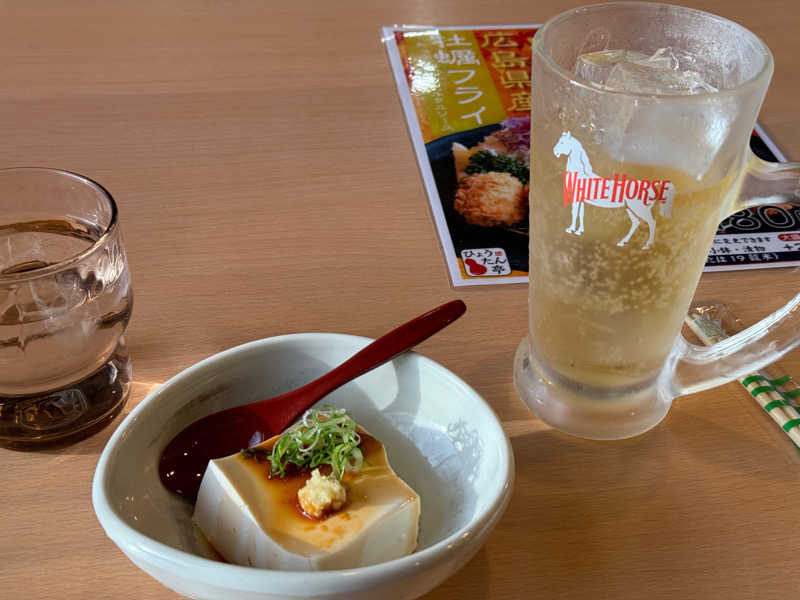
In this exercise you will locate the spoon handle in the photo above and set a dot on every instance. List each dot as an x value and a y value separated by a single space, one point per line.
384 349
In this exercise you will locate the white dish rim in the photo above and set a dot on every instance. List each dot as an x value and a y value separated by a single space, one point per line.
213 573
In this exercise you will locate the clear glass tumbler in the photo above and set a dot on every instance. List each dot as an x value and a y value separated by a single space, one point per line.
640 122
65 301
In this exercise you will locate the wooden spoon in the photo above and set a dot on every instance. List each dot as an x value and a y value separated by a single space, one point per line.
185 458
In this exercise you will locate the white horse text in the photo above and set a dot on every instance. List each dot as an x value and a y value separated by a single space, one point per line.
583 186
619 189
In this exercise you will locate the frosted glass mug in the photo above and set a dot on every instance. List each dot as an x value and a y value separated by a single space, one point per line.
628 186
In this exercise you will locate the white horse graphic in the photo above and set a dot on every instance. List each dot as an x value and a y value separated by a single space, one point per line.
638 209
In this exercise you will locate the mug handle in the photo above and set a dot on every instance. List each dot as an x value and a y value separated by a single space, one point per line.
697 368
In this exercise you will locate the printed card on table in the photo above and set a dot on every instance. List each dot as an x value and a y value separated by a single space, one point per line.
466 97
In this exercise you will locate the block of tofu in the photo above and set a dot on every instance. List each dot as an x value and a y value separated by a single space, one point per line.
252 519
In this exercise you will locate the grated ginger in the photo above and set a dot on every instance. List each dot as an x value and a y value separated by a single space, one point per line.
321 494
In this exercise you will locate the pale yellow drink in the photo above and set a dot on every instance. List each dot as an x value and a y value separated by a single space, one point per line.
606 315
649 92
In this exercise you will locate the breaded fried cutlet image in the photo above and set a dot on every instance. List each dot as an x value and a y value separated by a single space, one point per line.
492 198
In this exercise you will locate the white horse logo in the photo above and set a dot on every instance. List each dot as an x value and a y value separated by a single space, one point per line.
637 196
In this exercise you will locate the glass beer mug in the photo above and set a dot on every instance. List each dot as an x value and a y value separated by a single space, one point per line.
640 122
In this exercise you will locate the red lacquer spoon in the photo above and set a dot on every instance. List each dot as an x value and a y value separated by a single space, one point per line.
185 458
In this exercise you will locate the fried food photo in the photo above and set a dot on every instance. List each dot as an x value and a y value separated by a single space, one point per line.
490 199
494 175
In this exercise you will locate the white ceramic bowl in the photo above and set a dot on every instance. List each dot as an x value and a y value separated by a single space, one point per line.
441 438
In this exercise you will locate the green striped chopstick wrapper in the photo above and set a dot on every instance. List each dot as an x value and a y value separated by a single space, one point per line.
778 396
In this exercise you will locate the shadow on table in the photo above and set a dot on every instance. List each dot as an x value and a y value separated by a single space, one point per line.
472 581
683 444
609 514
95 443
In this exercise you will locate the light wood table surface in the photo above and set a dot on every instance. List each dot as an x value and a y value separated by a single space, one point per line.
267 185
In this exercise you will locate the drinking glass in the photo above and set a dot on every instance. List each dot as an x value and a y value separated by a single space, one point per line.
635 161
65 301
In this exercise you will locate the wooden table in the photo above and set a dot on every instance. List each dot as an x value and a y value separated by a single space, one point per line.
267 185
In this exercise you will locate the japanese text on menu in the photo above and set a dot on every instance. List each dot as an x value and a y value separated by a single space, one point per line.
460 80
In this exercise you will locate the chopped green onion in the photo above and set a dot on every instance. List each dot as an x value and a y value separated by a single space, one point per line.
484 161
324 436
258 455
